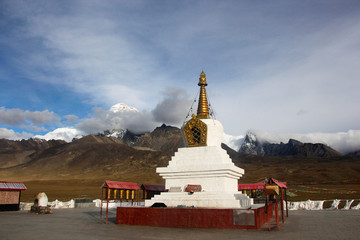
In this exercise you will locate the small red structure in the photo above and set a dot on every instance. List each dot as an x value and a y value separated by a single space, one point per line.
121 191
275 192
252 187
193 188
150 190
10 193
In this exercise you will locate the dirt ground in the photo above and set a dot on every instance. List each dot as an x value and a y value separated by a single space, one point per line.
66 190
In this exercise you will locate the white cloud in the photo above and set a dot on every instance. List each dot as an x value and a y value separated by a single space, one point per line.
98 55
311 87
170 110
12 135
279 67
19 117
173 107
137 122
71 118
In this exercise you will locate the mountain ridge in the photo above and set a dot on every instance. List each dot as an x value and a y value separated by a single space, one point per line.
254 146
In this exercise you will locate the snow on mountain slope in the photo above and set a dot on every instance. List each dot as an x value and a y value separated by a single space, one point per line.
122 107
116 133
233 142
67 134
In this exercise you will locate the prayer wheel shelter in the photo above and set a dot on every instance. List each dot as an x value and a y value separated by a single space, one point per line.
10 193
150 190
118 191
251 187
275 194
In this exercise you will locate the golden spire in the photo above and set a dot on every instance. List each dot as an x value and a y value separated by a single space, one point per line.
203 107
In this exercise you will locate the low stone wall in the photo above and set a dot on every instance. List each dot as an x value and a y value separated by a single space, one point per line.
319 205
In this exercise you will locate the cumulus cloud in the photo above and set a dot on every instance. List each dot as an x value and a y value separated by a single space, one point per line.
12 135
170 110
173 107
19 117
137 122
343 142
71 118
103 56
296 77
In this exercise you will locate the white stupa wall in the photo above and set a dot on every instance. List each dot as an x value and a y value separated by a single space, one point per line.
214 132
210 167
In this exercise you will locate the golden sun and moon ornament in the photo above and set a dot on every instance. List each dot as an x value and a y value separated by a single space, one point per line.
195 131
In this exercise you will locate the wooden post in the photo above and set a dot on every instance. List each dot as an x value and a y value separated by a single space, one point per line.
101 201
282 204
107 204
287 213
277 214
268 211
19 200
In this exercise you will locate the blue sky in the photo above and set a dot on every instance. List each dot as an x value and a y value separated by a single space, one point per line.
285 67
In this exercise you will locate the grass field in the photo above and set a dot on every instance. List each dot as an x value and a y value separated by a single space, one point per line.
66 190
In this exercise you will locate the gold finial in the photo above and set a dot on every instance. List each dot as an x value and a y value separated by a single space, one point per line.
202 79
203 107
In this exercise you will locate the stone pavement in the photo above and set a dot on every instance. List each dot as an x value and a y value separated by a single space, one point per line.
85 224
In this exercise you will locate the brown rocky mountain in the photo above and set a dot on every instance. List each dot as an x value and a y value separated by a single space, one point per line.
90 157
32 144
297 148
356 153
252 145
100 157
13 153
164 138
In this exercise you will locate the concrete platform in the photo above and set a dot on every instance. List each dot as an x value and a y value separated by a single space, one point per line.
83 224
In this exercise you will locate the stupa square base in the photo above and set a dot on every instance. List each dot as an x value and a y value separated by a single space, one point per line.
252 218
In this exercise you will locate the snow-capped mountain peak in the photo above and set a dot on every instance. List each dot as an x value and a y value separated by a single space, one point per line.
251 145
67 134
116 133
122 107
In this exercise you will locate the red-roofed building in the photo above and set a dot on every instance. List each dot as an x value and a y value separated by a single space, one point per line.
118 191
150 190
10 193
121 185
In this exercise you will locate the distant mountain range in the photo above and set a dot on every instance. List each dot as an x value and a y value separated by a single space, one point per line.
169 139
344 142
252 145
129 157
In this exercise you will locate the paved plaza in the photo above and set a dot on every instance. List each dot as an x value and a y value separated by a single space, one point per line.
85 224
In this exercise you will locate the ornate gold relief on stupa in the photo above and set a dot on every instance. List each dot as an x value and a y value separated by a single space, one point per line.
195 132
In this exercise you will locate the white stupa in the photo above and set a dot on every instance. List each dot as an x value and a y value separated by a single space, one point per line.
201 174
